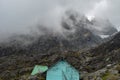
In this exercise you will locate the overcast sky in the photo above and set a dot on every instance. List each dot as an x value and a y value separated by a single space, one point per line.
17 16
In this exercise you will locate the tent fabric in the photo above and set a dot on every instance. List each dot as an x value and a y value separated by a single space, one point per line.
62 71
39 69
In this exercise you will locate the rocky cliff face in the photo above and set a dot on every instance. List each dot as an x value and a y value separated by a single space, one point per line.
98 26
103 26
110 50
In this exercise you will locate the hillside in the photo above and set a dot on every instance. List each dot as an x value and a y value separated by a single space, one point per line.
92 63
77 44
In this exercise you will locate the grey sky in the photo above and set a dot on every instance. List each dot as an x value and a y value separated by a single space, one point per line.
18 16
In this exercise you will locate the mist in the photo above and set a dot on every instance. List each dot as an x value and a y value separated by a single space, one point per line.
23 16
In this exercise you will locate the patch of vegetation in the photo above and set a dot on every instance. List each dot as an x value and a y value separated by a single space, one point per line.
118 68
109 76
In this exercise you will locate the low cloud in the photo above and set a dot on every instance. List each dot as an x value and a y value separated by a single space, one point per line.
20 16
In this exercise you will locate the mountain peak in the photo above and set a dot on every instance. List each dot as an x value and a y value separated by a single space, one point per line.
103 26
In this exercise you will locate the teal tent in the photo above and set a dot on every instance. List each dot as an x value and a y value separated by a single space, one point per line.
39 69
62 71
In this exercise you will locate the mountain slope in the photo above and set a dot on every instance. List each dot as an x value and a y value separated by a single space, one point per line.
19 55
75 36
94 62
